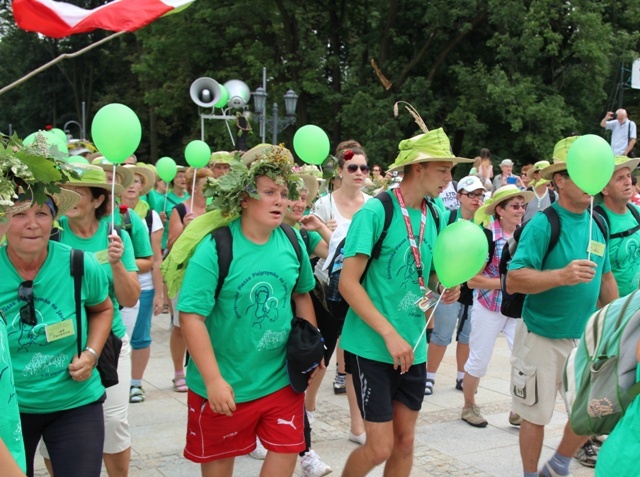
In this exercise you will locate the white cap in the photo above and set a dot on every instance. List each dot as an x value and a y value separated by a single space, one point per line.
470 184
506 162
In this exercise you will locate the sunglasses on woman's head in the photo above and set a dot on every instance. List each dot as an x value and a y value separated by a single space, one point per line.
354 167
28 311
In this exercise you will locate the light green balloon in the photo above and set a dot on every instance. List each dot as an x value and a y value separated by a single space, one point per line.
459 253
590 163
54 139
224 98
311 144
116 132
77 160
61 134
197 153
29 139
166 169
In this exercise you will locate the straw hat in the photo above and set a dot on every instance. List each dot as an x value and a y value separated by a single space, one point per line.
503 194
262 150
432 146
311 185
93 176
148 176
538 166
624 161
65 200
560 152
124 177
221 157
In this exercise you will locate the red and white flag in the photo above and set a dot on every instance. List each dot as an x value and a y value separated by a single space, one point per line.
60 19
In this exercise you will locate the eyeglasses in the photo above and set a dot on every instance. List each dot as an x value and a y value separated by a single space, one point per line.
517 206
28 311
475 195
354 167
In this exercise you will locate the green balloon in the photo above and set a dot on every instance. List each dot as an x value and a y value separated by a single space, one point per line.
311 144
590 162
61 134
54 139
459 253
77 160
224 98
197 153
29 139
116 132
166 169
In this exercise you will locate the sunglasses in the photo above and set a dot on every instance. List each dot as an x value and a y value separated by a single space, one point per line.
478 195
28 311
354 167
517 206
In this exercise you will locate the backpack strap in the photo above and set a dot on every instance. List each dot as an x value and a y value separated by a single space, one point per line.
387 205
304 233
492 244
77 270
554 222
453 215
599 220
182 211
149 220
434 213
293 238
224 249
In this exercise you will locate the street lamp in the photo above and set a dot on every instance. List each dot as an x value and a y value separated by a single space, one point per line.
277 124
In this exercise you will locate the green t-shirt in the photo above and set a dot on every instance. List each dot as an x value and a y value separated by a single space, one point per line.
624 252
314 239
156 200
171 202
391 281
250 322
10 428
40 362
137 232
98 244
562 312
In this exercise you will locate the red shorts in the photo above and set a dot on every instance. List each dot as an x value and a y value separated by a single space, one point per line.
277 419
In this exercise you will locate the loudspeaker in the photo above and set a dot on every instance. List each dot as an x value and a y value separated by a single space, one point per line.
205 92
239 93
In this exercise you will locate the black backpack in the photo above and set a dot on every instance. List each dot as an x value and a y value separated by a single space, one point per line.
512 303
332 293
625 233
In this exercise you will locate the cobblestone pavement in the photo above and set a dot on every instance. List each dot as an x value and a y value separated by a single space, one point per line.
445 445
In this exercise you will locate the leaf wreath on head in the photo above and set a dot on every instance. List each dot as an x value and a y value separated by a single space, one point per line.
37 167
228 191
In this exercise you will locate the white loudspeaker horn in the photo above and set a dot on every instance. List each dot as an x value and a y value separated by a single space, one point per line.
239 93
205 92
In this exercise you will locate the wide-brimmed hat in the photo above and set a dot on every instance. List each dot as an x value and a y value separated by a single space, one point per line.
311 185
93 176
124 177
432 146
503 194
305 351
64 201
148 176
221 157
538 166
560 152
262 150
470 184
80 146
624 161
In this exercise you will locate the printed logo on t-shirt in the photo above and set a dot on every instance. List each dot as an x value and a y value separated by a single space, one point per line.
264 306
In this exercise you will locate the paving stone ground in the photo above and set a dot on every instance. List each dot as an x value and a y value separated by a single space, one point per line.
445 445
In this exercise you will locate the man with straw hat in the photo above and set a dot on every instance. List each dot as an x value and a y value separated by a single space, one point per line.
220 163
387 316
544 196
562 290
624 227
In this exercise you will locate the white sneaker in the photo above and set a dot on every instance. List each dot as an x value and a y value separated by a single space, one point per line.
259 452
312 465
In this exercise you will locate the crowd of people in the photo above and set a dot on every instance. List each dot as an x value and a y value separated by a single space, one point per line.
268 269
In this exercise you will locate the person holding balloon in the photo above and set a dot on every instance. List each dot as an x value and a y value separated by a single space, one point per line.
563 290
383 335
501 214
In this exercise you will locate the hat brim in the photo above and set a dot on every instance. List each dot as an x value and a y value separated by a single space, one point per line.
528 197
299 381
311 184
548 172
99 185
631 164
65 201
255 152
426 158
148 177
126 176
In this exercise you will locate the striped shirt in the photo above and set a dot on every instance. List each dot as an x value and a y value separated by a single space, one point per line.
492 299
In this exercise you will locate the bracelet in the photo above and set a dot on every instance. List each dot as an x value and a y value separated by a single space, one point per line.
95 355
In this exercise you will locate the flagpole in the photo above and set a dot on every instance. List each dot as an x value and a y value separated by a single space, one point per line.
57 60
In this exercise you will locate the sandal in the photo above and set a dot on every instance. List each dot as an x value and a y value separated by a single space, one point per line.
136 394
165 308
180 385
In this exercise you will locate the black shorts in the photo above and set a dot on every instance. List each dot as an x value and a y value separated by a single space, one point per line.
377 385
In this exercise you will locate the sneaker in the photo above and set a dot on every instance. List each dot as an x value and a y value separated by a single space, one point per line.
312 465
359 439
597 442
472 416
340 384
259 453
460 384
428 387
587 455
515 419
136 394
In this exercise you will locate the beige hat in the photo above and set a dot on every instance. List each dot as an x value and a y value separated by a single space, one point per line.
93 176
65 200
123 177
148 177
538 166
624 161
311 185
262 149
503 194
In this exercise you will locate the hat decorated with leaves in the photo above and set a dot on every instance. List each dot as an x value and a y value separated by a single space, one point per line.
262 149
624 161
560 152
124 177
500 196
228 191
89 175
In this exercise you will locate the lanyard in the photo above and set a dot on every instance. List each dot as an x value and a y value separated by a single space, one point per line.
412 239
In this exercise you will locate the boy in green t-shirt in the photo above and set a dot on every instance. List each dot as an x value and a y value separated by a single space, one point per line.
237 377
385 322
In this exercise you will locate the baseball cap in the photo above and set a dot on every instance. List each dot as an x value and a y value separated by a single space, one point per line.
506 162
305 351
470 183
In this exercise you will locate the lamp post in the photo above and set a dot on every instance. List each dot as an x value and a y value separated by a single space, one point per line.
277 124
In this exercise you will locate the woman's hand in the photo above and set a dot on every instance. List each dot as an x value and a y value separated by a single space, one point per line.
115 248
311 222
332 224
158 303
81 367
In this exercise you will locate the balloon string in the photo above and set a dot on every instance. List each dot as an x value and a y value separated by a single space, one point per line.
193 187
590 230
113 200
428 321
166 193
